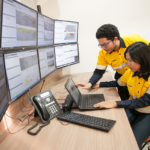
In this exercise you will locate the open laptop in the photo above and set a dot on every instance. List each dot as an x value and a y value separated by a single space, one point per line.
83 102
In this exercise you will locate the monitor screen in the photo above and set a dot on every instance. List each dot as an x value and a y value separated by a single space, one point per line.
47 60
66 55
45 30
19 25
22 71
65 32
4 100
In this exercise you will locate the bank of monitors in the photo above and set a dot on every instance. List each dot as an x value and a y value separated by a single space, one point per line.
4 100
19 25
45 30
65 32
22 71
46 60
66 55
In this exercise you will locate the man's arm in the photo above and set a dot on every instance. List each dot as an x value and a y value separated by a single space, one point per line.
96 76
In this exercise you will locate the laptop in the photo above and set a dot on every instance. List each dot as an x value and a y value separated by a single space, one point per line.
83 102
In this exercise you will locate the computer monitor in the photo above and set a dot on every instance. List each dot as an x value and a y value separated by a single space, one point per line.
65 32
4 99
66 55
19 25
22 71
45 30
46 61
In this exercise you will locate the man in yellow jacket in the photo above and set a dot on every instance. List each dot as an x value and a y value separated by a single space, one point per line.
112 53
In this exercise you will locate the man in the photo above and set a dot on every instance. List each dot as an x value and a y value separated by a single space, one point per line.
112 53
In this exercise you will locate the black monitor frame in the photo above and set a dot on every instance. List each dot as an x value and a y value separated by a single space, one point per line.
67 42
15 51
52 46
70 64
8 96
37 30
17 47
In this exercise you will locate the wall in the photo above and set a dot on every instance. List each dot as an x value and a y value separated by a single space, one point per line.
29 3
130 16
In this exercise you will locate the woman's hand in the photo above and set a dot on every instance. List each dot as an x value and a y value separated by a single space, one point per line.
84 86
106 105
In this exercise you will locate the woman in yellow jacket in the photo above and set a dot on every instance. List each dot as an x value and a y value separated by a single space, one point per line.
137 80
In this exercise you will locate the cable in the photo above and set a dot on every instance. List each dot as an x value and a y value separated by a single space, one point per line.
23 103
42 85
15 117
60 92
19 129
29 111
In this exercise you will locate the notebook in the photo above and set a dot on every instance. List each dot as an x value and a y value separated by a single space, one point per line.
83 102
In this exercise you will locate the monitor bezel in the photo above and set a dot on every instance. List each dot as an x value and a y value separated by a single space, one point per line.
67 42
7 105
17 47
72 63
52 46
53 29
15 51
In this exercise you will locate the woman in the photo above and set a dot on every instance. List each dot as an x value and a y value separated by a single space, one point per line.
137 80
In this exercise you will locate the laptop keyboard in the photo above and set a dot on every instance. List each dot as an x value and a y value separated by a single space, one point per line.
88 101
88 121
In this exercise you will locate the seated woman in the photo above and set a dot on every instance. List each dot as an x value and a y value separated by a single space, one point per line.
137 80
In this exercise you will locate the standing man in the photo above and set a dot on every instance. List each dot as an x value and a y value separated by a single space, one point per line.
112 52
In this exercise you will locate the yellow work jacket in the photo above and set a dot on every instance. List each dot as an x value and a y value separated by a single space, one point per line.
137 87
116 59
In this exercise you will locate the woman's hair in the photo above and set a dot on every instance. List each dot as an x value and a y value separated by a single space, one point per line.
140 53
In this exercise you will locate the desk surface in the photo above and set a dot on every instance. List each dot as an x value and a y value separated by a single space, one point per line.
75 137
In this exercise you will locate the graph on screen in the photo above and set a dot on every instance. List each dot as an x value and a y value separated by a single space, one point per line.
47 61
18 25
45 30
22 71
65 32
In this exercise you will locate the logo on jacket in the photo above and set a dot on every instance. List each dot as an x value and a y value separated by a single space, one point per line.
113 60
129 86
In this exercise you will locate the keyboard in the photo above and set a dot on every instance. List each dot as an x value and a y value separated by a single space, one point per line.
89 101
88 121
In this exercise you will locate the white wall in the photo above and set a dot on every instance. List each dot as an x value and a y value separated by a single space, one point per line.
29 3
130 16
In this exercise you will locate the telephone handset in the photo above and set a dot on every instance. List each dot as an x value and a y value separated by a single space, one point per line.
46 106
39 103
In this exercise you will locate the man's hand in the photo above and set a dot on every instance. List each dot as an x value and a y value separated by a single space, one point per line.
95 86
106 105
84 86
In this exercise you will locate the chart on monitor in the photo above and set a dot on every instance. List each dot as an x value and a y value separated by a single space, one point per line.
45 30
65 32
22 71
19 25
47 61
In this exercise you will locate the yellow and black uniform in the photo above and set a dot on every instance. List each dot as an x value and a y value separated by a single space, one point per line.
139 91
115 59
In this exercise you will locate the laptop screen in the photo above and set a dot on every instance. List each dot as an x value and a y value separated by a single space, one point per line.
73 90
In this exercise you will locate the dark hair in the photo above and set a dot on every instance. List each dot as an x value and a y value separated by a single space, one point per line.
140 53
108 31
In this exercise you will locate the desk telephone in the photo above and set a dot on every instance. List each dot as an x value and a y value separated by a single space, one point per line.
46 106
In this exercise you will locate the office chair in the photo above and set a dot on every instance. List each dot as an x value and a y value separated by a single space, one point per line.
146 142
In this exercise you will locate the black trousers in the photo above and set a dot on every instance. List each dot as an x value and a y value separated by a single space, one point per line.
122 90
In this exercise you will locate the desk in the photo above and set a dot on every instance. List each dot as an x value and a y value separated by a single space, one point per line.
75 137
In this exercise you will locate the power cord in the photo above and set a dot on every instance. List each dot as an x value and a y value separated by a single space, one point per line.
19 129
42 85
